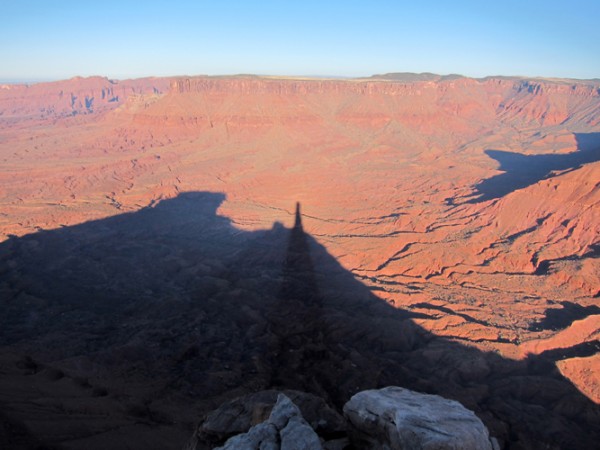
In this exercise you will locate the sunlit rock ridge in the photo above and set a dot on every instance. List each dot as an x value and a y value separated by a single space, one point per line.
470 207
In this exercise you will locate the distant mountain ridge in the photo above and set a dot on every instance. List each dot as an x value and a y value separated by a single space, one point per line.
469 208
86 95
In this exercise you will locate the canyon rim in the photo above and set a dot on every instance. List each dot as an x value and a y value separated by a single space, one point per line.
153 264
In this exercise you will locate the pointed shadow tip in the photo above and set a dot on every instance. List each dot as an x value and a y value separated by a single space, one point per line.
298 220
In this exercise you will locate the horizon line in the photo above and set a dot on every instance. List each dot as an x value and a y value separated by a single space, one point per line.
388 76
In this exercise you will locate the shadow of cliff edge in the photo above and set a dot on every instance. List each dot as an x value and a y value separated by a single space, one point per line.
521 171
172 306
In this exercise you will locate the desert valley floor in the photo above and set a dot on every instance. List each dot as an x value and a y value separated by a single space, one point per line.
447 241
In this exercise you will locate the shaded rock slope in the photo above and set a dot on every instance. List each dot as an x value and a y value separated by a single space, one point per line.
448 243
170 311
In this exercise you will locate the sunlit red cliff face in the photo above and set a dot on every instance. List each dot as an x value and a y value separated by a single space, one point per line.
473 202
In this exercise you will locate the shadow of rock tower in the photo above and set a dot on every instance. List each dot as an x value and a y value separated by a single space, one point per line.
297 319
299 285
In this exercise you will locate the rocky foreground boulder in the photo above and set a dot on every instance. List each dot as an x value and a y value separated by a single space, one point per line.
240 414
284 429
397 418
390 418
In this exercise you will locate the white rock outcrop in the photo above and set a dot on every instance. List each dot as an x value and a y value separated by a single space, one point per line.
285 429
396 418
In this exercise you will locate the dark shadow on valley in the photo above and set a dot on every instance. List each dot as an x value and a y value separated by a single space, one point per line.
175 298
559 319
521 170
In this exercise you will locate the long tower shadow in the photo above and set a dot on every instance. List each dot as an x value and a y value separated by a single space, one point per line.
182 308
299 284
309 323
296 320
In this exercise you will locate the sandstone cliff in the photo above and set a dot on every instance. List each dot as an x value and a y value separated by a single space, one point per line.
453 222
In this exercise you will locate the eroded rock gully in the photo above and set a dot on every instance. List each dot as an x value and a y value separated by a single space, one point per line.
146 242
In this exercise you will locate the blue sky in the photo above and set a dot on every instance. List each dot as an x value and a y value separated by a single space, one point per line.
48 39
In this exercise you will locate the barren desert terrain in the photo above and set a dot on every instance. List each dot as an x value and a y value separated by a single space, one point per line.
152 264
